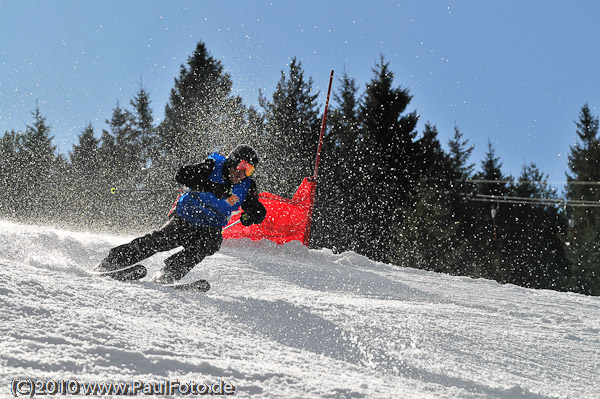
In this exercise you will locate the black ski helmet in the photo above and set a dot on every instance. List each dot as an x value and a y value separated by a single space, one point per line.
243 152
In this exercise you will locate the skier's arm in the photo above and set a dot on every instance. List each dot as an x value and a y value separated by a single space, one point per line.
194 175
254 211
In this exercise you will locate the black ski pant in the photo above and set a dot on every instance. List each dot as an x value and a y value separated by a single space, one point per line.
197 242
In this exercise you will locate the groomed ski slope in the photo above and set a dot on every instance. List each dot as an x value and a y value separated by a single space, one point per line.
288 322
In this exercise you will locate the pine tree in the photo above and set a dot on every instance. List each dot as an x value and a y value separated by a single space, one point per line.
534 248
488 229
119 147
432 162
584 164
202 116
119 156
150 175
491 170
428 237
292 127
84 156
38 147
197 115
385 160
333 220
460 152
142 124
460 170
463 209
344 131
86 188
37 153
11 171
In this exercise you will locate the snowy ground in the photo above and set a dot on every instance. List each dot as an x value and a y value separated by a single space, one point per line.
287 322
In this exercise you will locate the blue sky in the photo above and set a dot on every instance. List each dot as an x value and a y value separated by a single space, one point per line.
513 72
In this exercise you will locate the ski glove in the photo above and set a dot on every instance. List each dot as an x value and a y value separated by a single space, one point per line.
246 219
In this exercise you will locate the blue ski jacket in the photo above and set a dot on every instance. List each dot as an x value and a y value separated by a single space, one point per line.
212 198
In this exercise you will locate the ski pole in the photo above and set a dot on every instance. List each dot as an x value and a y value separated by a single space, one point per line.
114 190
231 225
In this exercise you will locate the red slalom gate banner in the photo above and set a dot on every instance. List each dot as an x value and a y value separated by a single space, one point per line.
287 219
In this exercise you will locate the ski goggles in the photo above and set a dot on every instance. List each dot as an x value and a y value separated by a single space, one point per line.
245 167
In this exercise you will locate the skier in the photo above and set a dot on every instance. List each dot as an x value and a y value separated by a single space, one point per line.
218 186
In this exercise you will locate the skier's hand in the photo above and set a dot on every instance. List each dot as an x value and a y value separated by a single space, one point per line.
246 219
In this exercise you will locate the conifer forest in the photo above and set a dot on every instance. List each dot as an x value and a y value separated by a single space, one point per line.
385 190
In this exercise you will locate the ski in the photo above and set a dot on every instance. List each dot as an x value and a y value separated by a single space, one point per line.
129 273
198 285
138 272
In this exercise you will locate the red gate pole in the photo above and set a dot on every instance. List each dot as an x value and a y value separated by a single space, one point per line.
313 179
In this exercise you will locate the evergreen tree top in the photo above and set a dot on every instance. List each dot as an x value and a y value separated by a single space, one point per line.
460 152
584 158
587 127
37 138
